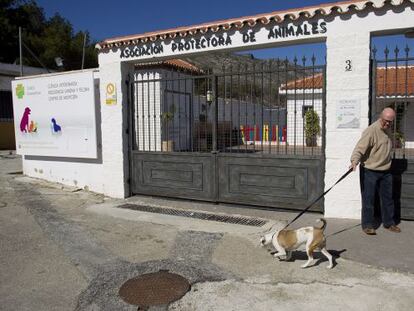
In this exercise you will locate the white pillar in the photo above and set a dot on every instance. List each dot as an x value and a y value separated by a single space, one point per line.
114 125
344 201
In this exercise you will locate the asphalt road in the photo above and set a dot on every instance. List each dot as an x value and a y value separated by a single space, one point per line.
63 248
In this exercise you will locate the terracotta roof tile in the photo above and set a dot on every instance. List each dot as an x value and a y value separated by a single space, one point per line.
389 82
172 63
311 82
238 23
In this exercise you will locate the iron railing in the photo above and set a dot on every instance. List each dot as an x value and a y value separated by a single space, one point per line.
392 85
256 108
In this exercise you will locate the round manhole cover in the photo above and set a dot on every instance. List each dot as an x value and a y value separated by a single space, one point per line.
151 289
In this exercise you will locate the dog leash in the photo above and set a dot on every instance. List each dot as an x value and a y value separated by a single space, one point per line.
318 198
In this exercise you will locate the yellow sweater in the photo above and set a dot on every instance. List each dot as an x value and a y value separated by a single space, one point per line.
373 150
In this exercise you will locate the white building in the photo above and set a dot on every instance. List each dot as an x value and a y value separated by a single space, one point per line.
346 28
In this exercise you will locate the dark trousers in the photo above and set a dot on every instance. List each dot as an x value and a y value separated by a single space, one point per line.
371 182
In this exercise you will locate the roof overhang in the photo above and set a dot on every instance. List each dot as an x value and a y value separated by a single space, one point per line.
278 17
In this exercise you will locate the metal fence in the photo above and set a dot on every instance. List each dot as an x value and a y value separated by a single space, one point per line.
393 86
273 107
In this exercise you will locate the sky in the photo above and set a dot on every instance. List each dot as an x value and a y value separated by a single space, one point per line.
106 19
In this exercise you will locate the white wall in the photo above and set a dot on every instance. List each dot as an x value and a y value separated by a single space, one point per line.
347 38
296 122
81 173
146 105
114 127
77 173
109 172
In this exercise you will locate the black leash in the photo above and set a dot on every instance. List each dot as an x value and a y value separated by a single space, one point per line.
318 198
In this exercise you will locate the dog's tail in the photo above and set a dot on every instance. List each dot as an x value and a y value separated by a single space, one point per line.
323 225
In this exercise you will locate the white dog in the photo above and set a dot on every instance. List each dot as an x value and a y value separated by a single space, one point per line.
285 241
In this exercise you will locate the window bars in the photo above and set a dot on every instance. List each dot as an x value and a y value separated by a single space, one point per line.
392 85
264 107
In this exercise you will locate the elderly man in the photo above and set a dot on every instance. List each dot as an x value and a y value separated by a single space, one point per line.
373 151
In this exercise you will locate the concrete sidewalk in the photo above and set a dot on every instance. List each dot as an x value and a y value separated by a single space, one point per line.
345 238
63 248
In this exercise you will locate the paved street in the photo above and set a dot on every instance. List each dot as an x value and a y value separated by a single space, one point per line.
64 248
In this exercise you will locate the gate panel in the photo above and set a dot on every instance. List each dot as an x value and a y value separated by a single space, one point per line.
392 85
282 182
182 175
407 192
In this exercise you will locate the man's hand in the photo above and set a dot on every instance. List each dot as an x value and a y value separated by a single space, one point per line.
353 166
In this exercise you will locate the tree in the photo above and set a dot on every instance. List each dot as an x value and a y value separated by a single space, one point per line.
47 39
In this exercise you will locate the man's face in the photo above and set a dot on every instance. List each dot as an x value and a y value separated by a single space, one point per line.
386 121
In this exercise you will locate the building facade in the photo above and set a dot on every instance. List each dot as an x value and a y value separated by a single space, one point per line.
346 28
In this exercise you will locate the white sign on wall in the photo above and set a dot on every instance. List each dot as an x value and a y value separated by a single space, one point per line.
55 115
348 113
269 34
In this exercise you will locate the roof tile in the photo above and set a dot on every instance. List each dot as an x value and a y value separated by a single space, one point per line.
389 82
279 16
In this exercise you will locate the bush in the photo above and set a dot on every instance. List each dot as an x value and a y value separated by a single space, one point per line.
312 127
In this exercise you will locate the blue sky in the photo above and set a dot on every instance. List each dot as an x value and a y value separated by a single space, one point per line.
105 19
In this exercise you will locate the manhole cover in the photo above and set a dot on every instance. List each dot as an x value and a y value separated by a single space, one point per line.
151 289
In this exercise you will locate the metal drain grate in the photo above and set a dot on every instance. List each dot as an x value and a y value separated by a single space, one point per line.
199 215
153 289
16 173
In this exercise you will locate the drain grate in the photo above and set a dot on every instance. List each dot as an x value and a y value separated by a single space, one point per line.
199 215
16 173
152 289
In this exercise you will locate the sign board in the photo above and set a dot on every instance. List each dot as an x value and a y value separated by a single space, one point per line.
272 33
348 113
55 115
110 94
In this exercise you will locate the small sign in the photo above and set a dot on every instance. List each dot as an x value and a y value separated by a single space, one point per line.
348 66
348 113
110 94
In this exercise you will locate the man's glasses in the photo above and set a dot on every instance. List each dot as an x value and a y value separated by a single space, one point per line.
387 121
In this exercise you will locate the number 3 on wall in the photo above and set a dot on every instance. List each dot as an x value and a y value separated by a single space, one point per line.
348 66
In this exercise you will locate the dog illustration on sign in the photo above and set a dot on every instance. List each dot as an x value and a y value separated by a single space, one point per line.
32 127
27 125
56 128
24 122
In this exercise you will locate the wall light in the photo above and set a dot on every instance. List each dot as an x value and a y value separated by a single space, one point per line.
209 97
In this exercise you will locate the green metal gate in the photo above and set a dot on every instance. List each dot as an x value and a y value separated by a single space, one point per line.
392 85
236 136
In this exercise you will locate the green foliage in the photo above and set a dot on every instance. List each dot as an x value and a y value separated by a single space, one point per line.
398 139
168 115
312 127
46 38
